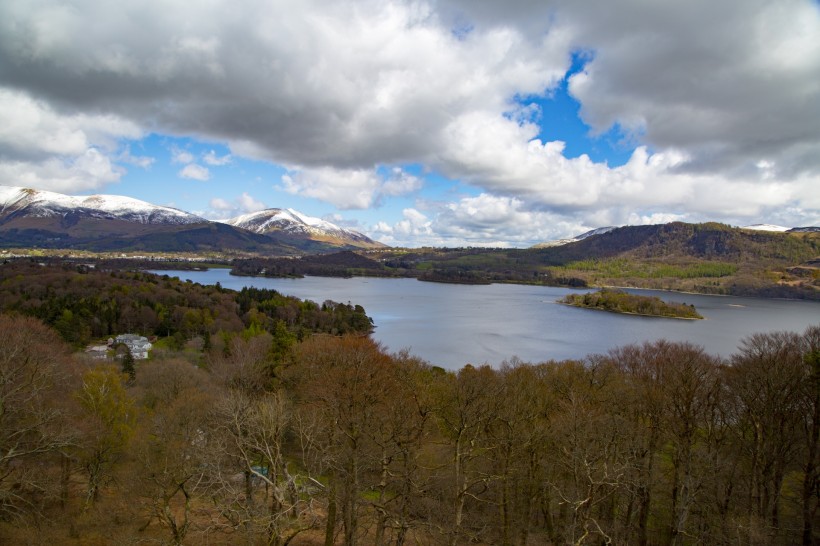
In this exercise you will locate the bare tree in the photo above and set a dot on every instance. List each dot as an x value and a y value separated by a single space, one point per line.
810 410
767 378
32 361
339 385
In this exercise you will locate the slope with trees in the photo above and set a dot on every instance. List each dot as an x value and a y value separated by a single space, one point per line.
334 441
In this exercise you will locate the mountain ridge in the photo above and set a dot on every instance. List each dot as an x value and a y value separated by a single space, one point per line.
44 219
277 220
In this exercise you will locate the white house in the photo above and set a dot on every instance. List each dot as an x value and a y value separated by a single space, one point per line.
138 345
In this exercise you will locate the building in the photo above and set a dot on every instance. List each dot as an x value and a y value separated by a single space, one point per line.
138 345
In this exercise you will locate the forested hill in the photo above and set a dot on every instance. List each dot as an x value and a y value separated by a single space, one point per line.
707 258
709 241
84 304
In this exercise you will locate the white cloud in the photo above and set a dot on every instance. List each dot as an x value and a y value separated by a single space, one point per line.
217 203
43 148
730 84
178 155
194 172
216 161
223 209
349 188
141 161
401 183
249 204
720 96
87 171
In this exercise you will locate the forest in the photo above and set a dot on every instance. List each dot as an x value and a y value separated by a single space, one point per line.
260 433
85 303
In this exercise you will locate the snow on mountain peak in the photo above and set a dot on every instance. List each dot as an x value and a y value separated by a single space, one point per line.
42 203
287 219
292 221
581 237
766 227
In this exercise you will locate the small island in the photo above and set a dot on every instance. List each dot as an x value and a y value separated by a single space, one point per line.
618 301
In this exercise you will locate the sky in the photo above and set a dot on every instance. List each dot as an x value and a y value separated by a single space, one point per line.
422 123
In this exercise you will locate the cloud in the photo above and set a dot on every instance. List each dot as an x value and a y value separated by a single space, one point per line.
141 161
347 85
178 155
194 172
721 100
729 84
86 171
223 209
217 203
44 148
249 204
349 188
216 161
484 220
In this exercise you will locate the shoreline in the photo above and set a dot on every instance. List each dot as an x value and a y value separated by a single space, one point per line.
627 312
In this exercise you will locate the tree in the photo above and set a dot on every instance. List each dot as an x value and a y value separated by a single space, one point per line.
339 383
766 378
32 421
170 451
810 410
108 421
467 405
127 364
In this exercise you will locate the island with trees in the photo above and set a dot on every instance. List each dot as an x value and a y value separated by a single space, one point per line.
619 301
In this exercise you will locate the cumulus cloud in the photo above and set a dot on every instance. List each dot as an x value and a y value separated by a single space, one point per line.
179 155
216 161
194 172
86 171
319 85
45 148
730 84
721 100
349 188
223 209
484 220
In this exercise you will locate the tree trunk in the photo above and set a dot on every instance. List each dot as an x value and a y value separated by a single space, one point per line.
330 524
645 494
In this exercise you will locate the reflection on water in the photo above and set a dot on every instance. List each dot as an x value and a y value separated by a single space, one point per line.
451 325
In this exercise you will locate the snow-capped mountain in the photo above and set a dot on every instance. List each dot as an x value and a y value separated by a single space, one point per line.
581 237
767 227
289 221
25 202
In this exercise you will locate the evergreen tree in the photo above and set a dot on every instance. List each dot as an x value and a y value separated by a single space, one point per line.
128 364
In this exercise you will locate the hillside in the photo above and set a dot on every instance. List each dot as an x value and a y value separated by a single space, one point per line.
708 258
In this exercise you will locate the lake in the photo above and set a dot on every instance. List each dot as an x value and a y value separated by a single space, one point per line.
450 325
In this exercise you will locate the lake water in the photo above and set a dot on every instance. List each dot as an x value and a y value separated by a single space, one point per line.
450 325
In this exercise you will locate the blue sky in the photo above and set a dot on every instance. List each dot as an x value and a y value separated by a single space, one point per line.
441 122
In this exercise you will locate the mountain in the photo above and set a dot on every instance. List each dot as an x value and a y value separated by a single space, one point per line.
109 223
581 237
277 222
17 202
807 229
708 257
